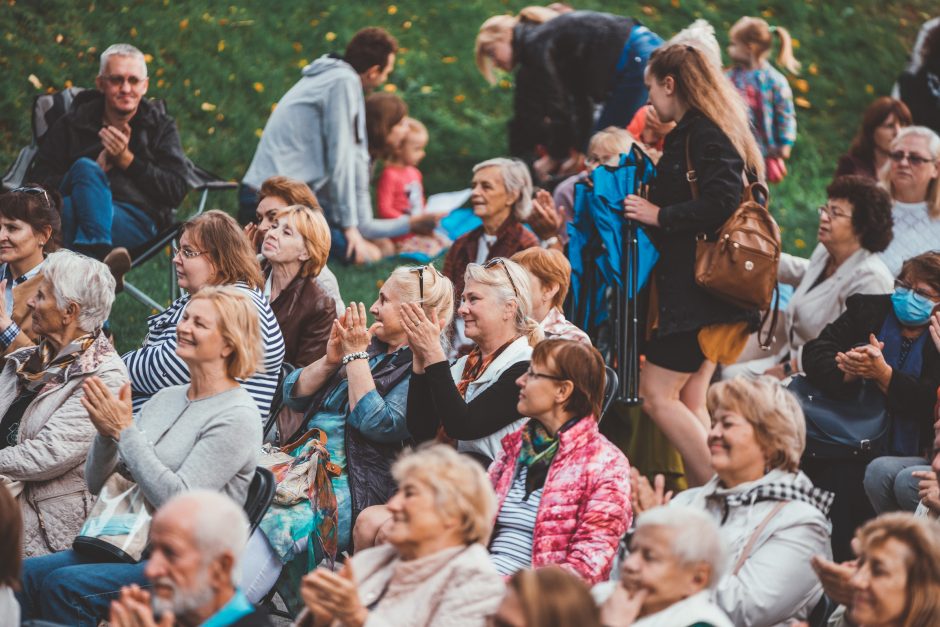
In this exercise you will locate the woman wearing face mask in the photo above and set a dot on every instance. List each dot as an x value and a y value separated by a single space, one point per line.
883 339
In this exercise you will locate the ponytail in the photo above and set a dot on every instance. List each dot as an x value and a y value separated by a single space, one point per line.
785 58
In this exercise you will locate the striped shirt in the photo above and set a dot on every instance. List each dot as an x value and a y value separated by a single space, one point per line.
155 365
511 548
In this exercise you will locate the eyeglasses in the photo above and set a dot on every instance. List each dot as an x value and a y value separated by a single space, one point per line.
532 374
502 262
831 212
116 80
186 251
33 191
420 270
899 156
902 285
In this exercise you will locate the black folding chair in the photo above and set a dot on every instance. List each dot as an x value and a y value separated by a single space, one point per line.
278 401
260 496
611 385
47 109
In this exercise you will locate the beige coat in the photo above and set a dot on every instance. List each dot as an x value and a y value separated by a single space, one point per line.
54 437
810 311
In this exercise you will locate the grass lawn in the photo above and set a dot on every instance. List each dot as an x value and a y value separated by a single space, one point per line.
222 66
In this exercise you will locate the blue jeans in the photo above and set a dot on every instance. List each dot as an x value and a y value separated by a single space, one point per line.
629 92
90 216
69 589
889 484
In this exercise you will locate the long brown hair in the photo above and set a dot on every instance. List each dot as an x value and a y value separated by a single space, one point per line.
756 32
553 596
218 234
702 86
383 112
863 145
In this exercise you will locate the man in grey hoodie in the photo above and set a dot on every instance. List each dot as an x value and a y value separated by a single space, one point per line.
317 134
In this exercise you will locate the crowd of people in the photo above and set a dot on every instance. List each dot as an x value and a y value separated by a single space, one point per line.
444 464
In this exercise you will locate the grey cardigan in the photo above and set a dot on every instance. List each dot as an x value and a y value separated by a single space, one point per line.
177 445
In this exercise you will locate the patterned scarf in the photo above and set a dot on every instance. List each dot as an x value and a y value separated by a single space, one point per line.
476 365
537 452
43 365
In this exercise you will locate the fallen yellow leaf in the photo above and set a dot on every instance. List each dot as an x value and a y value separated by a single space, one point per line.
34 81
258 87
330 36
392 9
207 106
803 103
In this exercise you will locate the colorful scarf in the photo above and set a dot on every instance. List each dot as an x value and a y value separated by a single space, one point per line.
476 365
537 452
44 366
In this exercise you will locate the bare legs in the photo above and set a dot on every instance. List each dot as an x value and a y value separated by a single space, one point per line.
676 403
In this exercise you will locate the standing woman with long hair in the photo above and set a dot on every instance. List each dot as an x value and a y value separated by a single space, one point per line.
693 330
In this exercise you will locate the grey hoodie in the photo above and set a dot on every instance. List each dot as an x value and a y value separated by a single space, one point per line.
317 134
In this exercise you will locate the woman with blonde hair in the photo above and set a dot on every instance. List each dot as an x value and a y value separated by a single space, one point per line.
566 65
295 250
434 570
913 180
694 330
770 516
474 401
356 395
896 581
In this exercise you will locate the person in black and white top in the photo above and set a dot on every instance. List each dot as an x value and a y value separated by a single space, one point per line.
212 251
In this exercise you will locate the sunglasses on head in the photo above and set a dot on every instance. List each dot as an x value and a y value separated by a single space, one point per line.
33 191
420 270
502 262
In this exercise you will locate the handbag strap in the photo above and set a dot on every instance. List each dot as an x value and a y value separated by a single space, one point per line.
690 175
753 539
766 343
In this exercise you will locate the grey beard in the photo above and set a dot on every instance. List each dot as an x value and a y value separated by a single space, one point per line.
184 602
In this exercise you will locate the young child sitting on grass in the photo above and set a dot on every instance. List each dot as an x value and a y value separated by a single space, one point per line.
400 190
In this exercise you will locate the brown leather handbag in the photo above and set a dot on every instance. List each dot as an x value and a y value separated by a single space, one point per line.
739 266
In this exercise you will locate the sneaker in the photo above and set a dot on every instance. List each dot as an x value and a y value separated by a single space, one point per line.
119 263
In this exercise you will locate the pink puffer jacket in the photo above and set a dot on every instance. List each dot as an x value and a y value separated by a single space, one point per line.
585 507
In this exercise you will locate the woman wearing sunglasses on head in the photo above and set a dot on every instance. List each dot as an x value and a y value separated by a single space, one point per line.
356 395
474 401
30 228
912 179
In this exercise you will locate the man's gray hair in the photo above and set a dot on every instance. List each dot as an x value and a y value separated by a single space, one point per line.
516 178
81 280
696 537
220 525
121 50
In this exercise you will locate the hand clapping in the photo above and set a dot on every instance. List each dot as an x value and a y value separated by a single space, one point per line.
330 596
108 414
352 332
866 362
424 335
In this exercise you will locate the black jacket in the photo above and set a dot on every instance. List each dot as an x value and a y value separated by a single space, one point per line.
565 67
865 314
683 305
916 93
156 181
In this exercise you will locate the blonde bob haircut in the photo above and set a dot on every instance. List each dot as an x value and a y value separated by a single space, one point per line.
510 284
933 147
773 412
438 289
238 326
611 140
460 486
312 227
549 266
498 29
701 85
921 537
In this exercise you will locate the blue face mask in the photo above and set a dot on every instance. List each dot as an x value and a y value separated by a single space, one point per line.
911 308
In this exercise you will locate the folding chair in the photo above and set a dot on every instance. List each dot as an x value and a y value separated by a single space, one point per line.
47 109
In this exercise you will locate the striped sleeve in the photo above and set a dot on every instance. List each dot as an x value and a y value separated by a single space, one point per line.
262 386
155 365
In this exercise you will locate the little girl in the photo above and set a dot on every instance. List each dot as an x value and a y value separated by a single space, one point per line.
764 89
400 190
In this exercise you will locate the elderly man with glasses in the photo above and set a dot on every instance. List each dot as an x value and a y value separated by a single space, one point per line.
117 160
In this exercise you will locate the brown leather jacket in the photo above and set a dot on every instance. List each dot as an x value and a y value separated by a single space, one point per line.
305 313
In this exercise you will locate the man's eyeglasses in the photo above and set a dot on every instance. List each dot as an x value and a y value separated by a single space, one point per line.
532 374
502 262
899 156
34 191
186 251
831 212
116 80
420 270
899 284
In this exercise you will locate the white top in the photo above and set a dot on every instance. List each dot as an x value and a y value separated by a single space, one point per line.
9 608
915 232
511 548
483 248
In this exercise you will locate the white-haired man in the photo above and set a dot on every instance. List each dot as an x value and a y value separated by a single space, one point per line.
676 559
116 158
196 541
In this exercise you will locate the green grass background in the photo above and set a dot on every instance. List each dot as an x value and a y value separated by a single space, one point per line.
222 65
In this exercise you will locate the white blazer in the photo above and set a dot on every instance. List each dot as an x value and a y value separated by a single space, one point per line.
809 311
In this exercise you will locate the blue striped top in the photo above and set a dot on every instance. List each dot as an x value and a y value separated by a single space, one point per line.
511 547
155 365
